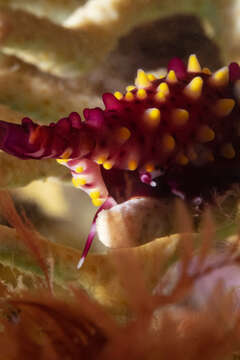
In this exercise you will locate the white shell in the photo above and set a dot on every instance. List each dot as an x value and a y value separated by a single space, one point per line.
134 222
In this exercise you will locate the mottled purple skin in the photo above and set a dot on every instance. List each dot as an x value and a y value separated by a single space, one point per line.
81 143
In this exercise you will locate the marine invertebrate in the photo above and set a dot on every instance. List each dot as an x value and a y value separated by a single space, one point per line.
26 89
165 137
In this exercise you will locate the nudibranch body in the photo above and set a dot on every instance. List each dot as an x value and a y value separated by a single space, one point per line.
174 135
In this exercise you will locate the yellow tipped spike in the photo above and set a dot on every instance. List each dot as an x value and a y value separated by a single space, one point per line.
142 80
79 169
123 134
107 165
168 142
223 107
149 167
210 156
101 159
81 181
118 95
194 88
192 155
206 71
129 96
180 117
132 165
62 161
34 135
77 181
220 77
193 64
66 153
74 181
182 159
141 94
163 87
205 134
130 87
171 77
228 151
94 194
151 77
160 97
97 202
152 116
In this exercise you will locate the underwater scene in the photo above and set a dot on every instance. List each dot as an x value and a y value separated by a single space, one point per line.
119 180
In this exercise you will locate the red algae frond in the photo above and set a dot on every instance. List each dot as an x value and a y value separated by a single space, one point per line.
44 327
27 235
167 322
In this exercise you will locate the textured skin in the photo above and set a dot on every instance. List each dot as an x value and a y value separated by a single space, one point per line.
173 136
161 131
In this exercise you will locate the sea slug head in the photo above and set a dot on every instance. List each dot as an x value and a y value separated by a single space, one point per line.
177 135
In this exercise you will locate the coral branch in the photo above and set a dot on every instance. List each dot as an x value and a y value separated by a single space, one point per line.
38 95
52 47
8 113
121 15
90 32
56 10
